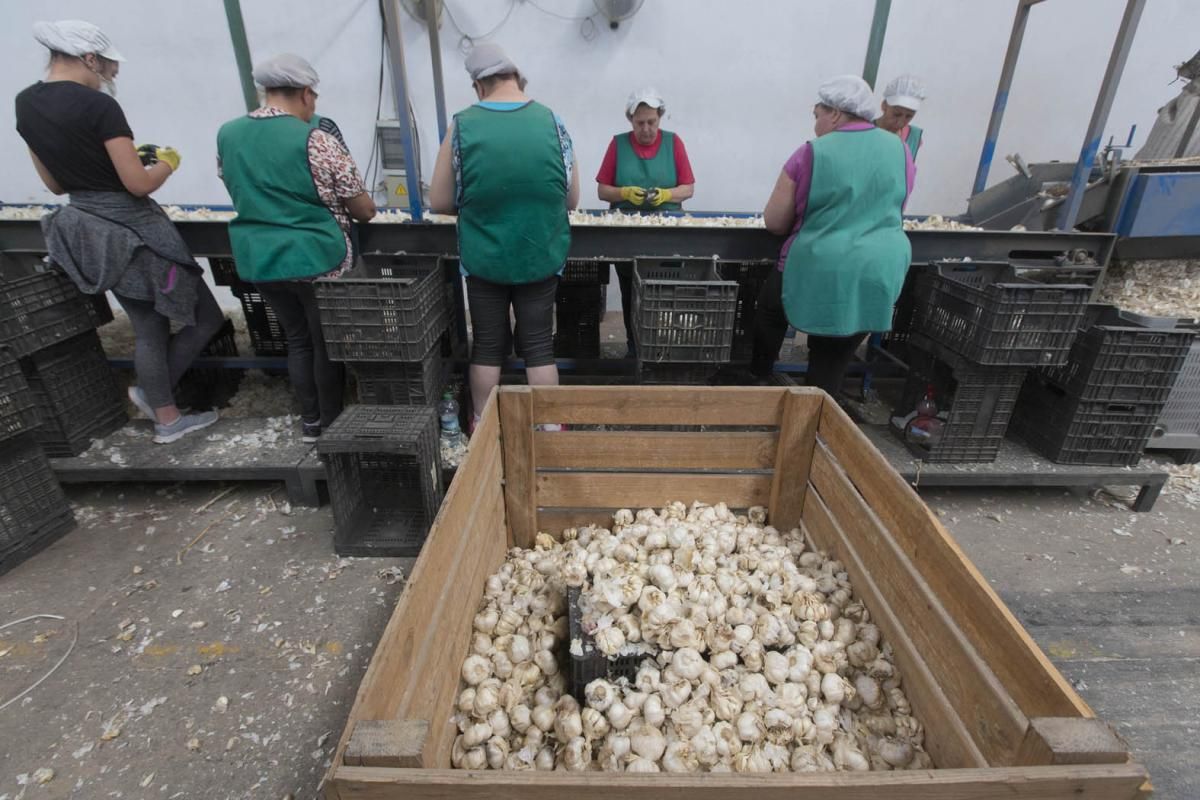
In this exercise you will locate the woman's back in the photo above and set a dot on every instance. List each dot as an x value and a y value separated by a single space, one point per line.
66 125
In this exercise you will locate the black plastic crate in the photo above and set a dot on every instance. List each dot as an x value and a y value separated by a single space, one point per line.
1178 426
1124 357
390 308
266 332
1068 430
656 374
577 310
895 341
211 387
75 393
405 383
585 271
590 664
975 404
104 313
41 310
38 540
750 276
18 411
385 484
224 272
683 311
30 496
984 311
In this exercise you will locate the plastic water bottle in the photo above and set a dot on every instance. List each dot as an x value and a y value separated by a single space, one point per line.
448 414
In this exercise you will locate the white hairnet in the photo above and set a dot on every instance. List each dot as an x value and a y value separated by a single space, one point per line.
285 70
848 93
75 38
648 95
487 59
906 91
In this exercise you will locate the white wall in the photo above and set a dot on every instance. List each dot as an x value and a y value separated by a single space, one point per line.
739 78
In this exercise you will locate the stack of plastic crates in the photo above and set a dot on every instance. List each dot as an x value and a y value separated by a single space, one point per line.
211 387
976 329
33 510
386 320
1101 407
50 326
579 307
384 479
683 319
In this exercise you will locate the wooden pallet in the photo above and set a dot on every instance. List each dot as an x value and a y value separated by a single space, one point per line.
208 455
1000 720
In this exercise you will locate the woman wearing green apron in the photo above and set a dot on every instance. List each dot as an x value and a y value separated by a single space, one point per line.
901 101
507 168
644 170
840 271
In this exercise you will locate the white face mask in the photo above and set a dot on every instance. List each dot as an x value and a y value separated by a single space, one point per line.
107 85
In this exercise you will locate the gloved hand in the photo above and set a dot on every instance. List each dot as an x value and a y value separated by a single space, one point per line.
633 194
146 152
169 155
659 196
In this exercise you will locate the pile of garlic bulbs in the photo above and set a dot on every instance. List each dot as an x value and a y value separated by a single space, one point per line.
765 660
936 222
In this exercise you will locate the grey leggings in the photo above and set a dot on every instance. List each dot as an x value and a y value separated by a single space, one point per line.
161 358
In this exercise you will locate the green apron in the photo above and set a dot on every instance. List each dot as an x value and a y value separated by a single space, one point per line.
282 230
847 263
513 226
648 173
914 140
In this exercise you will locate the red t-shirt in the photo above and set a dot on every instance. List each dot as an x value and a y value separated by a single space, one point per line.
683 168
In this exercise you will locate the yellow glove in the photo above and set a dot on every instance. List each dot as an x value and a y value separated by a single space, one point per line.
633 194
169 155
659 196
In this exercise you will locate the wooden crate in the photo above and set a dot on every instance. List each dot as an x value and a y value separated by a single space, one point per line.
1000 720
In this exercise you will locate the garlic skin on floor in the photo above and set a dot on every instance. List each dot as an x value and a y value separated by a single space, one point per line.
756 655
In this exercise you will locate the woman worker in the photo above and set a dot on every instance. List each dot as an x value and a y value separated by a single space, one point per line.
507 168
645 170
839 197
901 101
296 189
111 235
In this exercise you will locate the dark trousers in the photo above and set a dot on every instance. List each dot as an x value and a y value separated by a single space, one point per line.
317 381
828 356
159 357
533 306
625 280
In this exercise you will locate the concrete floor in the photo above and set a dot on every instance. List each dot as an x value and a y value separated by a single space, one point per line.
288 629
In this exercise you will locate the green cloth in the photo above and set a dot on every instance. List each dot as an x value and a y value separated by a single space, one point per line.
513 226
914 140
648 173
846 266
282 230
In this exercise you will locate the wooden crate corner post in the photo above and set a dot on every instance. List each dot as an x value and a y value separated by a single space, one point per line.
389 743
516 437
799 418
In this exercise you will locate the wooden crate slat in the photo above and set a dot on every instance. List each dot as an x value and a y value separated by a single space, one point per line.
644 450
947 739
649 489
995 722
554 520
797 436
657 405
397 667
516 426
1093 782
1037 686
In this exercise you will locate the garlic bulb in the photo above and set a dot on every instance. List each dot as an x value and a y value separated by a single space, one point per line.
647 742
496 751
639 764
595 724
543 718
520 649
680 758
546 662
476 734
474 758
545 759
520 719
610 641
653 710
750 728
476 669
687 663
599 694
577 754
619 716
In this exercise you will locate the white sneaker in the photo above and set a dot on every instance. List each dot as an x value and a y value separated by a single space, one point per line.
187 423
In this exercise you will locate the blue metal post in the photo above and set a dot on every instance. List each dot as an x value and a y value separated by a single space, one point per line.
1095 130
241 52
432 14
879 23
1001 101
391 18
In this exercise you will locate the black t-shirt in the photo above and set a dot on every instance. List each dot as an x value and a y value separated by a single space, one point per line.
66 124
